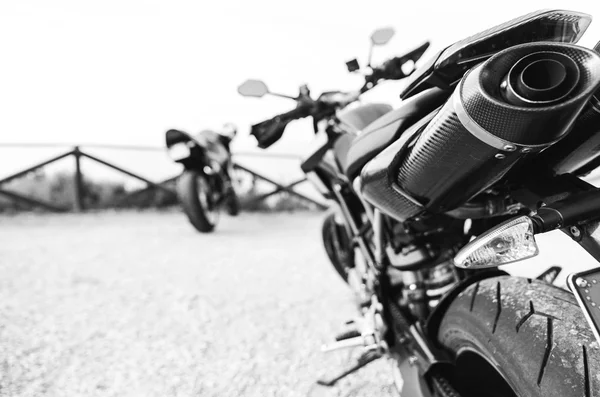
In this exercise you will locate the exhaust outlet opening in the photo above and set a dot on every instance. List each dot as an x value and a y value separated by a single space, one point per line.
543 75
540 79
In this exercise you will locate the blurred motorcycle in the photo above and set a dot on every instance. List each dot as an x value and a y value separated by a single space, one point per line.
205 186
489 148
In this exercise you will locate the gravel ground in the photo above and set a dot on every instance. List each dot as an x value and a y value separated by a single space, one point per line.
139 304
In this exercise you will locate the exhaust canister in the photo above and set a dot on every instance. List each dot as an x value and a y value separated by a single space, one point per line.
579 152
516 104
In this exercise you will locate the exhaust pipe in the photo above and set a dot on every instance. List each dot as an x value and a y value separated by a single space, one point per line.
540 79
579 152
516 104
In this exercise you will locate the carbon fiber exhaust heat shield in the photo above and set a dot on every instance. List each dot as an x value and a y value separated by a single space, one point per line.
579 152
516 104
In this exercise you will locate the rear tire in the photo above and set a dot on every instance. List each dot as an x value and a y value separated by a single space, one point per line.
519 337
190 186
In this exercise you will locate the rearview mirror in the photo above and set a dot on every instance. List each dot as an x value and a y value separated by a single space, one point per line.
382 36
352 65
254 88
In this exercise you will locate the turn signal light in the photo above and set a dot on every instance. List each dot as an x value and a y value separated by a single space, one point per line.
508 242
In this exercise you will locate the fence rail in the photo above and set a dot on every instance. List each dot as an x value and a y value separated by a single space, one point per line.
75 151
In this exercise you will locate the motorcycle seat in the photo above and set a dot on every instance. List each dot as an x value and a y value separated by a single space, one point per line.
356 119
387 129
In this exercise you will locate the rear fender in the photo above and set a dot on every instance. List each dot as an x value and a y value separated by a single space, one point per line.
435 318
186 149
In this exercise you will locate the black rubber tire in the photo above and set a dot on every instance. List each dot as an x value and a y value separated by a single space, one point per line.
532 333
187 191
233 203
339 249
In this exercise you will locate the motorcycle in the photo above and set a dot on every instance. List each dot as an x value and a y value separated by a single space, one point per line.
489 148
205 186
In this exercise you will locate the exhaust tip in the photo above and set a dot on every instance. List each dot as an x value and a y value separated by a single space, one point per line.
540 78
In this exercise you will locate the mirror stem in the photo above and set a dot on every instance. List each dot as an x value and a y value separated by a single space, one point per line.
282 95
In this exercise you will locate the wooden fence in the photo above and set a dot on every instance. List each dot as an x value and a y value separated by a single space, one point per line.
77 152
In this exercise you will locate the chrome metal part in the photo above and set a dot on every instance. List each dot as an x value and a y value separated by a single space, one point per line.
343 344
371 327
414 293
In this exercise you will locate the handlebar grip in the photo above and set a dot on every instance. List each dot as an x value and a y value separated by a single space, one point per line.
270 131
294 114
284 118
390 70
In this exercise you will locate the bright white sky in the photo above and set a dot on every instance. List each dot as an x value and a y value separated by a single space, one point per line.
124 71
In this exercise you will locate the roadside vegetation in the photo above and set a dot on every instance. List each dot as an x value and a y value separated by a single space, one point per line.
59 190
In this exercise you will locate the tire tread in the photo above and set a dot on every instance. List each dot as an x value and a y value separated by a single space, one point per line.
534 331
549 346
499 306
586 373
473 297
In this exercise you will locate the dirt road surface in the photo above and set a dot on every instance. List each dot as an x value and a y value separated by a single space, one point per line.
139 304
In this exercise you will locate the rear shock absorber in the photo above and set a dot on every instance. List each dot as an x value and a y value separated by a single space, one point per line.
415 293
440 279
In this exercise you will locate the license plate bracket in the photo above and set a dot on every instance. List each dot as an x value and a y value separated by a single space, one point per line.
586 288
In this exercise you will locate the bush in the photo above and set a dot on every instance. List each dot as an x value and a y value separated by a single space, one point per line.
59 190
279 202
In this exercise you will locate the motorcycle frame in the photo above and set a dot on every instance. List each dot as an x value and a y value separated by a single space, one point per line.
418 356
415 355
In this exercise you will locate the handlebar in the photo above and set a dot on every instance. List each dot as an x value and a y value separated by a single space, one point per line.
282 119
269 131
392 68
303 110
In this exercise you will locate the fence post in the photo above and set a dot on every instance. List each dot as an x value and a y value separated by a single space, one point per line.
78 181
